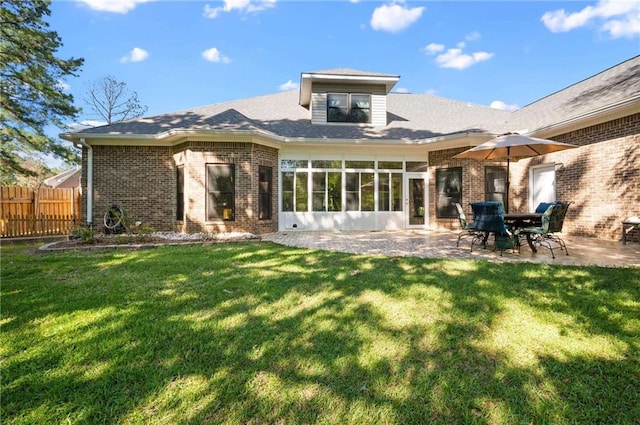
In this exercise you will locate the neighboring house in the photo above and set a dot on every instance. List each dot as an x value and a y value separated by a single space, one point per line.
344 153
69 179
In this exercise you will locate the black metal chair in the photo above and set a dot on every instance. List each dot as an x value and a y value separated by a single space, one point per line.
468 227
546 234
488 218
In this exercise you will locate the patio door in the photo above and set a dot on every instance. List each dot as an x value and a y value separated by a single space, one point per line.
542 185
416 200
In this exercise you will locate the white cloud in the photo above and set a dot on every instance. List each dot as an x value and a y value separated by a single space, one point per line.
618 18
498 104
433 48
214 55
394 17
289 85
472 36
63 86
626 27
135 55
246 6
456 59
115 6
401 90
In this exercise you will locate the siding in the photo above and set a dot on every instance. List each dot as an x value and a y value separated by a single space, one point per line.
319 101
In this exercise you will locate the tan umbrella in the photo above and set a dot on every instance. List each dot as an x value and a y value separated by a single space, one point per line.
512 146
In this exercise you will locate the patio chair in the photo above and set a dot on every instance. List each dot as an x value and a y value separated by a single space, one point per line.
488 218
546 234
468 227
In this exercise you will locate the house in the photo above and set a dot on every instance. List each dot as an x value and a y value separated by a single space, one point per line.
345 152
69 179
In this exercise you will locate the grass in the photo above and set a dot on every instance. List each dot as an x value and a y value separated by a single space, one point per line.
258 333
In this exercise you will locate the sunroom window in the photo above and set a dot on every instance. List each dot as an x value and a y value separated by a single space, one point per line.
348 107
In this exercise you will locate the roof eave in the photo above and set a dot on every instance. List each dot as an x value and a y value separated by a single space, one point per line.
175 137
308 78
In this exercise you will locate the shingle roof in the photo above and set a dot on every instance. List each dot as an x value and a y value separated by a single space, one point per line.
607 88
414 117
410 116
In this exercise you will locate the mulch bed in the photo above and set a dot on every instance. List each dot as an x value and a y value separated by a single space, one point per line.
143 240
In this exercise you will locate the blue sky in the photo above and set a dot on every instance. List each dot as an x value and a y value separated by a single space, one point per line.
182 54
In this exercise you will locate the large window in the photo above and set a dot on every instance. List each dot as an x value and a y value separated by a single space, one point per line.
494 183
264 193
180 193
348 107
389 191
449 191
360 191
294 190
336 185
220 192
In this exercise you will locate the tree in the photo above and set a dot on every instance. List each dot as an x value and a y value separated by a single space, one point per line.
111 101
32 96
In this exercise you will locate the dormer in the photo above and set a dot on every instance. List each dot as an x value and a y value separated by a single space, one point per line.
346 96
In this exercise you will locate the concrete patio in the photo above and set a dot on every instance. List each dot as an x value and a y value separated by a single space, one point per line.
442 244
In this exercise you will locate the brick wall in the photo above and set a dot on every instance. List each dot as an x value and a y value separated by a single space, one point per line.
246 157
601 177
142 180
472 184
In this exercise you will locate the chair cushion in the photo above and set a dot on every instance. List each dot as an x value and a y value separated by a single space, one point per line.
542 207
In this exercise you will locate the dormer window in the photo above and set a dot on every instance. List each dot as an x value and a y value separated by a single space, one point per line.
348 107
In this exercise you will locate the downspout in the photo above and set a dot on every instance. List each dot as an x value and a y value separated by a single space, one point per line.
89 179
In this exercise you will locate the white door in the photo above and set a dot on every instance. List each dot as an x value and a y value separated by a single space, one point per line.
542 185
415 212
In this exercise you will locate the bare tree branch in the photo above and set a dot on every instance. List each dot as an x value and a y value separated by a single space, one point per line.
111 101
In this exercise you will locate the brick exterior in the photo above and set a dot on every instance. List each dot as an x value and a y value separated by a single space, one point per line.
142 180
601 177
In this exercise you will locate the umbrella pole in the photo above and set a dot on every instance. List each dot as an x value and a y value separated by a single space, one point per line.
506 185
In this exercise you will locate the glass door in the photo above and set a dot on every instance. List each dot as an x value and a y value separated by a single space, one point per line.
416 200
542 185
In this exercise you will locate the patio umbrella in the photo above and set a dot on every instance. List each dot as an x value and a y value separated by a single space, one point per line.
513 146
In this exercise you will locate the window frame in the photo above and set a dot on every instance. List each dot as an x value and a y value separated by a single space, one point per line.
265 194
487 170
211 207
180 193
349 109
449 190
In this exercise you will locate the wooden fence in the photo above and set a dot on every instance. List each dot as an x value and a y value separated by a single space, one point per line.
28 211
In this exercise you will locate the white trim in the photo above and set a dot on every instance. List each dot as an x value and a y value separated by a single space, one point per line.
412 175
89 170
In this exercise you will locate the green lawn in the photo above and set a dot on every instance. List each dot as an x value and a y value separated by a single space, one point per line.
258 333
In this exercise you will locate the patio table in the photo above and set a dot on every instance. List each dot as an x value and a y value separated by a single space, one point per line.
522 220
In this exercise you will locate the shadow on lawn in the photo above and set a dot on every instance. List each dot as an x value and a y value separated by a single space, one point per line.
247 333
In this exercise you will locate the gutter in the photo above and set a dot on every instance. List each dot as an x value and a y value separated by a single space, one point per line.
89 178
